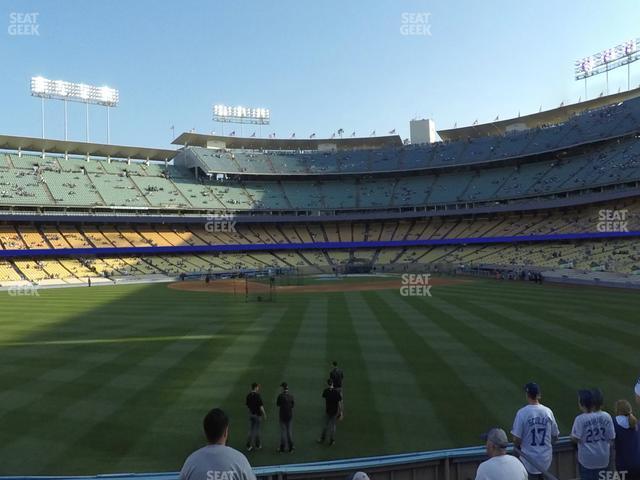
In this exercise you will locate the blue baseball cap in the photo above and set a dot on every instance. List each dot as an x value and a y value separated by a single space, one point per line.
532 389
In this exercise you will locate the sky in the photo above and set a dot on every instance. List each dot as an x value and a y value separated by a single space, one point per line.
359 65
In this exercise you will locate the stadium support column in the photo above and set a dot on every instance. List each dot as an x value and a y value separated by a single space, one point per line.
42 104
108 127
65 121
585 89
87 124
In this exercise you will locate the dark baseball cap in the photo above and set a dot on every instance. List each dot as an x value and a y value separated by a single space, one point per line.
284 385
497 436
532 389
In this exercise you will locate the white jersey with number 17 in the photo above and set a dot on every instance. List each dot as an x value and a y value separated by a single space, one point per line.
535 425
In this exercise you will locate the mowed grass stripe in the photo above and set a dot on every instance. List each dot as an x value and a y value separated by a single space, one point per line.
145 393
60 361
519 357
461 352
101 390
402 406
609 299
610 354
562 346
616 329
305 373
267 368
210 380
359 386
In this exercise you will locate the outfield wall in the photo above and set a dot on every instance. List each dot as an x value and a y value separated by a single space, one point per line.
454 464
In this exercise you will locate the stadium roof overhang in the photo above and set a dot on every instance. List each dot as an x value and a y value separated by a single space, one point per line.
31 144
253 143
534 120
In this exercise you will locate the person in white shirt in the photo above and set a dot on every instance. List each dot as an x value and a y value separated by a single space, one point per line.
593 432
534 431
500 466
637 391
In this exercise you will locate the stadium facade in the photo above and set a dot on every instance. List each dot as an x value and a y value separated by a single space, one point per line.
555 192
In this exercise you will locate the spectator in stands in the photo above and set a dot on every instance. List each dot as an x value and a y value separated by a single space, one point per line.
256 415
285 404
500 466
637 391
333 412
627 441
359 476
593 432
216 460
534 431
337 376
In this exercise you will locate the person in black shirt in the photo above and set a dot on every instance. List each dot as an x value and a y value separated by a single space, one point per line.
256 415
337 376
285 403
333 410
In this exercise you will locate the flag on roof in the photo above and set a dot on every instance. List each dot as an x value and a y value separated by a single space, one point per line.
313 135
253 135
353 134
392 132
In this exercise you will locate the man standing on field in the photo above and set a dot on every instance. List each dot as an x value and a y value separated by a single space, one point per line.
534 432
333 412
285 404
256 415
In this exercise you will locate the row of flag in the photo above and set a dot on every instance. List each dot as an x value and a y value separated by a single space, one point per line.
313 135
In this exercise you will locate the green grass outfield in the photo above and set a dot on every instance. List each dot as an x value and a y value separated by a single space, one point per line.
117 379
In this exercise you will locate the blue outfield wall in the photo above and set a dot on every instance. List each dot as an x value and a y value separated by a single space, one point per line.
191 249
347 466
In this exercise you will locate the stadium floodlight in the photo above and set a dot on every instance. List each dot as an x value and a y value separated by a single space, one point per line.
75 92
624 54
240 114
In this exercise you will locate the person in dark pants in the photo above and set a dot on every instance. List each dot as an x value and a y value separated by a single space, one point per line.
333 412
285 403
627 441
256 415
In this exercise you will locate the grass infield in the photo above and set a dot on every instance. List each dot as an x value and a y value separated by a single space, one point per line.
117 379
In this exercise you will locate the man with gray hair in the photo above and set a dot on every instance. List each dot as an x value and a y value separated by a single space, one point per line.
500 466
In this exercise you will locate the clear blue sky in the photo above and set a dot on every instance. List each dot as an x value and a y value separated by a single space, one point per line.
318 65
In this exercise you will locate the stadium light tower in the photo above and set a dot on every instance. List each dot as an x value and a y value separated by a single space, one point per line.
624 54
75 92
241 115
